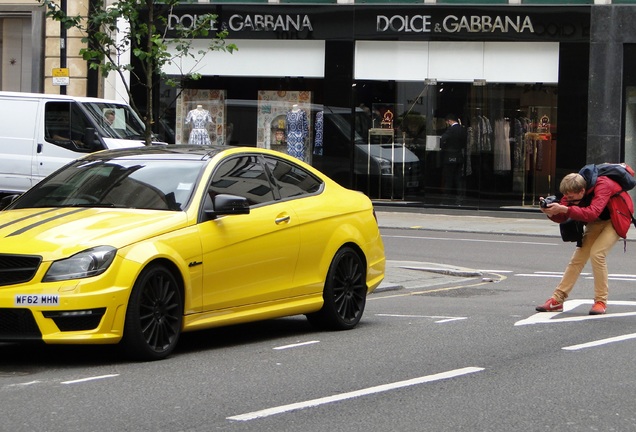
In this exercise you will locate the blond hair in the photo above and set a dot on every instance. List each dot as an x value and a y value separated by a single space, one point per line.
572 183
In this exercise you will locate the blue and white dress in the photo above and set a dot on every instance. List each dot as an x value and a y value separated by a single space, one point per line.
297 128
318 140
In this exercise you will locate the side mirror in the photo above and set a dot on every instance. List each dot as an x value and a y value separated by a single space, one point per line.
228 205
7 200
91 141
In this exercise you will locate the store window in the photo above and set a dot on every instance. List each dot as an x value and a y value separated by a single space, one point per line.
508 155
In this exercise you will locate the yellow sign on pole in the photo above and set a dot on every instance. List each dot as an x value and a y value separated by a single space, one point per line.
60 76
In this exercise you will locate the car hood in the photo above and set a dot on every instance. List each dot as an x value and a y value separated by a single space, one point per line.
396 153
60 232
115 143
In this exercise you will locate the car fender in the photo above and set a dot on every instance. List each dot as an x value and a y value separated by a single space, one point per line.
340 236
185 257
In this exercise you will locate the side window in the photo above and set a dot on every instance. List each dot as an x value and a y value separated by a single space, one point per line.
65 125
292 180
243 176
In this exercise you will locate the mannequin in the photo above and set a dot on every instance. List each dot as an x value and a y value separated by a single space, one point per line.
297 130
200 120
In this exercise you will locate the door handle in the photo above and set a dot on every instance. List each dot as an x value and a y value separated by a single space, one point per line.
282 219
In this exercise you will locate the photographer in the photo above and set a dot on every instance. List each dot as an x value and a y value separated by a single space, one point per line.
588 205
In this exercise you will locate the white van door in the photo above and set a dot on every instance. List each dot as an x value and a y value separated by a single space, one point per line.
18 120
60 138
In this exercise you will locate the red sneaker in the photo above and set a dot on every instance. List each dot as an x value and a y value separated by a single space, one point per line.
550 306
598 308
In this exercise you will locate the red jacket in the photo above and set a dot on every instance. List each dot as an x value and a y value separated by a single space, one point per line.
604 189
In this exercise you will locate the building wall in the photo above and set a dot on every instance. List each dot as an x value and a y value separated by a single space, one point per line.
77 66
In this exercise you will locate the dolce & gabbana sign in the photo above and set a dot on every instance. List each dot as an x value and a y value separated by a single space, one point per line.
454 24
367 22
247 22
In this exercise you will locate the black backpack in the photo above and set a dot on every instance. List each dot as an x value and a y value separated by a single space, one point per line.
621 212
621 173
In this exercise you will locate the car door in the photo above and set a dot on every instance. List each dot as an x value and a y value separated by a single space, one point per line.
249 258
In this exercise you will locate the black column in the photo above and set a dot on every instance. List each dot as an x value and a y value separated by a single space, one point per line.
339 60
610 26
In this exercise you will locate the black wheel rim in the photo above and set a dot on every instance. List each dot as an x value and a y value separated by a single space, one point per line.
349 287
160 312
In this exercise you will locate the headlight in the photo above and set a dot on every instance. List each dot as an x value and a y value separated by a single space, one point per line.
385 165
90 262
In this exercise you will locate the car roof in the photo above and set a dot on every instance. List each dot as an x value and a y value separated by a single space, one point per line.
163 151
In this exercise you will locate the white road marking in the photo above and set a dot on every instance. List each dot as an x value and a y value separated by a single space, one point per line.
470 240
600 342
556 317
24 384
89 379
350 395
615 277
442 319
296 345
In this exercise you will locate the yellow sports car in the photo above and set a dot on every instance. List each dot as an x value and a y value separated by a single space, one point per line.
136 246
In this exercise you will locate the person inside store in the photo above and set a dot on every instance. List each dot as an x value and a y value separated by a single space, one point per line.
588 205
452 146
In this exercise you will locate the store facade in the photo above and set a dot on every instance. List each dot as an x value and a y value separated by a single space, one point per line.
350 63
374 84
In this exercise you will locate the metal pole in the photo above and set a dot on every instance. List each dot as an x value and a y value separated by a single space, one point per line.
63 44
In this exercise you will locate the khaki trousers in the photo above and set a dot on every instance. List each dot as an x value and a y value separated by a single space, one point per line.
598 239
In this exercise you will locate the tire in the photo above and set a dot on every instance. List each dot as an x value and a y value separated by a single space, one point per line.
345 293
154 315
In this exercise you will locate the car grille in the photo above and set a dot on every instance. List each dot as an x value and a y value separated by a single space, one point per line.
16 269
18 324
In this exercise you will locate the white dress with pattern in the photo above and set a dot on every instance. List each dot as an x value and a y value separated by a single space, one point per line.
199 119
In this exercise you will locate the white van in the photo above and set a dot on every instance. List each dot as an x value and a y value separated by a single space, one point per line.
39 133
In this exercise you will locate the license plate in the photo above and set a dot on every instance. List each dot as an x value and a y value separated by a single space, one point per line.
37 300
412 184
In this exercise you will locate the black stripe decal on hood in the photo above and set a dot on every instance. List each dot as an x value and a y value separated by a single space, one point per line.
26 228
27 217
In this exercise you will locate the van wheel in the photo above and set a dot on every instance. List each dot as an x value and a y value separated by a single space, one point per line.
344 294
154 315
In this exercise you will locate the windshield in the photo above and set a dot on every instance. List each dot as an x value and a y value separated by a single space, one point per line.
142 184
115 120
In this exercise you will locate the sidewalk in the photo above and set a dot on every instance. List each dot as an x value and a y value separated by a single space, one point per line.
517 223
427 275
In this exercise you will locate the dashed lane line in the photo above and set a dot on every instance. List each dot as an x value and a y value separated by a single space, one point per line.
354 394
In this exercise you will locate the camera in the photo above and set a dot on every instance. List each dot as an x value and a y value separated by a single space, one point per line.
547 200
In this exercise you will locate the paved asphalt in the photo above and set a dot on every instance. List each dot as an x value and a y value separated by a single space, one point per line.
424 275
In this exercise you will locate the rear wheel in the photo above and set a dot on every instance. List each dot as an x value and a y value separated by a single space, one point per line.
345 292
154 315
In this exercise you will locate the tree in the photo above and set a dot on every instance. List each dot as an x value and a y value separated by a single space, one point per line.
140 28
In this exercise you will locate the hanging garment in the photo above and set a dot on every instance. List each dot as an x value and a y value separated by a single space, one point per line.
502 147
318 129
297 130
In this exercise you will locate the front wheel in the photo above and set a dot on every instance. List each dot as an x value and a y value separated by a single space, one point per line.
345 292
154 315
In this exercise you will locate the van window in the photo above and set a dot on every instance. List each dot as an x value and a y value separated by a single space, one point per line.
115 121
65 125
